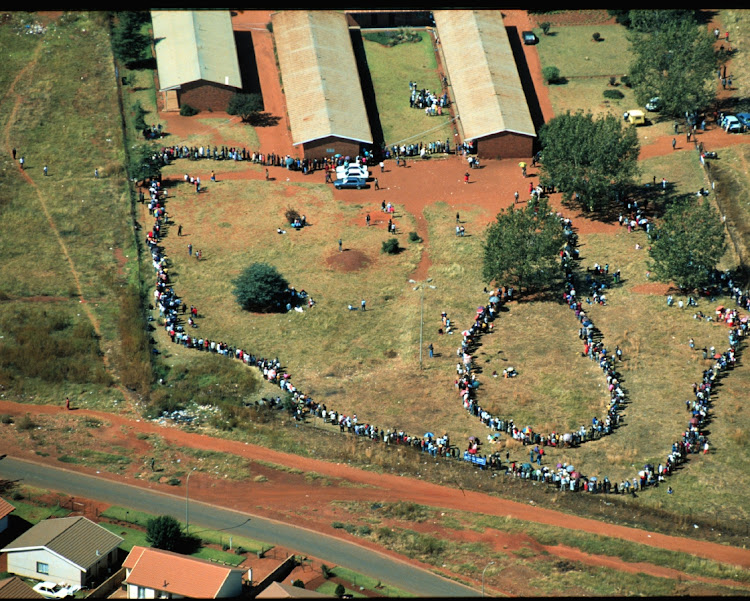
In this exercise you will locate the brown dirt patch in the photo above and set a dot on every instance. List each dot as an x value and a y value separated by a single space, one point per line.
348 260
656 288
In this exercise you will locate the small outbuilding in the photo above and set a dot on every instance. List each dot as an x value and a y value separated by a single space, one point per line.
196 58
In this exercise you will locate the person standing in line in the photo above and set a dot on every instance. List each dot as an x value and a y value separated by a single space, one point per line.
431 350
458 218
190 250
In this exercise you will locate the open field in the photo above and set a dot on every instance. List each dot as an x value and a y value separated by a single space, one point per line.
363 363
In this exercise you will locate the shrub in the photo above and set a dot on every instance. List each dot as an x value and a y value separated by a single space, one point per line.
414 237
298 583
340 590
614 94
544 26
26 423
292 214
597 36
391 246
261 288
6 418
188 111
625 80
551 74
612 80
326 571
139 119
164 532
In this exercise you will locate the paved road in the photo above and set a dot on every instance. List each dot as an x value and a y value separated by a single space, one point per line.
303 541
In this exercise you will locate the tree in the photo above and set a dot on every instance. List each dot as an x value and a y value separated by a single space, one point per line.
551 74
687 244
128 43
339 591
164 532
521 247
261 288
247 106
678 64
588 159
648 20
143 162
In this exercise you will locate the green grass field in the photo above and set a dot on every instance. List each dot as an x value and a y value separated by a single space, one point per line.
392 68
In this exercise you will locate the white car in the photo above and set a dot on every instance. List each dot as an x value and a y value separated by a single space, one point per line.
352 170
732 124
54 590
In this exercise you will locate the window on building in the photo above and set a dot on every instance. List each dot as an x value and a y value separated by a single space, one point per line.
42 568
141 592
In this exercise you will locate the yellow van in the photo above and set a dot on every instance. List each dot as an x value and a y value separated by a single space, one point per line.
636 117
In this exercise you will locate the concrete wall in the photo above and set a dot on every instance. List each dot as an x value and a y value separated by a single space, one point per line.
23 563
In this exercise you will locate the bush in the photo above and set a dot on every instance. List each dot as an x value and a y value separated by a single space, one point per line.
340 590
298 583
391 246
544 26
292 214
625 80
164 532
26 423
612 80
188 111
551 74
597 36
414 237
6 418
261 288
139 118
326 571
614 94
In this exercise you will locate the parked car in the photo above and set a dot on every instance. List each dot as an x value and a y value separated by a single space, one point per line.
731 124
352 170
744 118
654 104
350 182
54 590
529 38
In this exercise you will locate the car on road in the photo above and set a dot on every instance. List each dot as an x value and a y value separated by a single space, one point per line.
350 182
55 590
529 38
744 118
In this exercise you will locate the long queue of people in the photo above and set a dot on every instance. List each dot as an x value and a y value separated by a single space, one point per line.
563 476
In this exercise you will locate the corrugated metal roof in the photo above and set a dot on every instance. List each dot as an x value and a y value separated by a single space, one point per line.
177 574
319 73
15 588
77 539
483 73
193 45
5 508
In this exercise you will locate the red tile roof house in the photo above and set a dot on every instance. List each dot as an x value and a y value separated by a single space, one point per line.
5 510
73 550
154 573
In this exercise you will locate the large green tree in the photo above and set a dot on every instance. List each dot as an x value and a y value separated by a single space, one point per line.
588 158
164 532
677 63
522 246
687 244
261 288
129 43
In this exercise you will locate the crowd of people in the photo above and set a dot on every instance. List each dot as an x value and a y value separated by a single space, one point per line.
563 476
430 102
